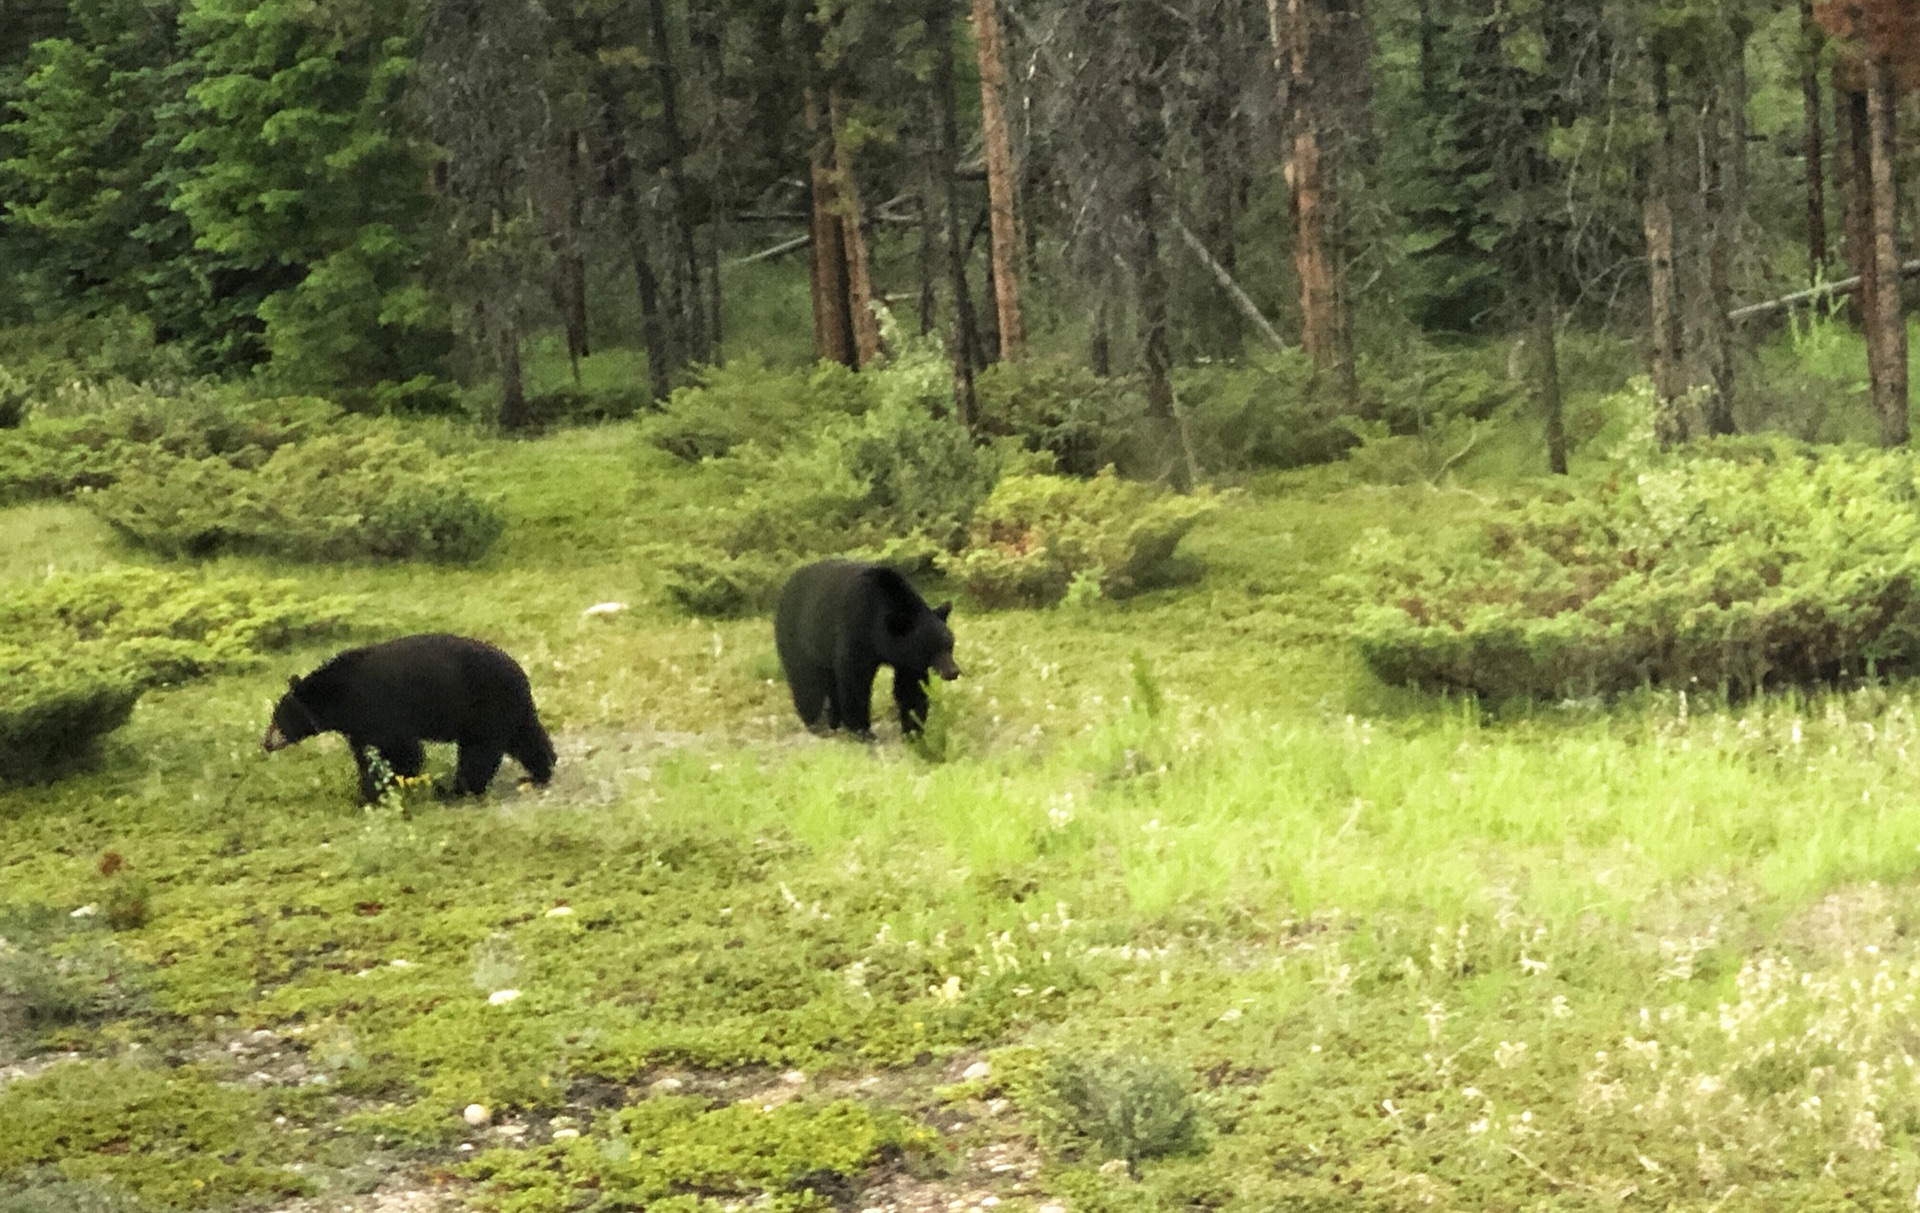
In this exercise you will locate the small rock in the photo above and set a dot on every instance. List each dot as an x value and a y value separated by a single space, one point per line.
605 608
87 911
977 1071
563 1134
1114 1166
666 1084
794 1078
500 998
560 912
988 1202
996 1106
518 1131
1051 1209
477 1114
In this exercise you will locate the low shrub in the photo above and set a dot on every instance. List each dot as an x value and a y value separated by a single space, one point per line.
1113 1107
61 454
1755 563
587 406
1274 412
79 651
367 494
1083 421
727 407
1035 534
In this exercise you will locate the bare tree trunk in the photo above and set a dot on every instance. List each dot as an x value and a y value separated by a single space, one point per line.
1657 218
1324 326
570 273
690 296
832 311
617 166
1813 39
866 325
1716 330
929 245
514 414
1002 180
1546 337
1886 329
963 347
1856 158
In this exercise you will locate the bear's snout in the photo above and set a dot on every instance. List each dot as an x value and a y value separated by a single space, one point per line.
945 667
274 740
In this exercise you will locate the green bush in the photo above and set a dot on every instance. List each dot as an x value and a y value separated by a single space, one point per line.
587 406
1756 563
1274 412
362 494
78 652
675 1153
59 454
1084 421
727 407
1036 534
1129 1108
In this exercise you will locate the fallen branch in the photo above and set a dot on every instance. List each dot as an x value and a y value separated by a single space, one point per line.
768 254
1232 288
1845 286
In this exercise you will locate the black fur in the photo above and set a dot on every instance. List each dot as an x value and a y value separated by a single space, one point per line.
431 687
838 622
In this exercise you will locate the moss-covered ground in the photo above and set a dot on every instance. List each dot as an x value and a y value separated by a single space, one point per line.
1182 911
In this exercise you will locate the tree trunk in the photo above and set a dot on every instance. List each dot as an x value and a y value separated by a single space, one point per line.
1657 218
929 242
618 173
1886 329
1813 39
1546 337
1312 200
1856 158
963 347
832 303
1008 240
689 295
1716 330
514 414
570 274
853 236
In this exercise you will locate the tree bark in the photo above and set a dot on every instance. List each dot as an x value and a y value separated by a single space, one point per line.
832 305
514 414
853 235
570 272
1002 180
690 295
1856 159
1887 329
963 346
1546 337
1657 219
618 171
1813 39
1312 200
1717 330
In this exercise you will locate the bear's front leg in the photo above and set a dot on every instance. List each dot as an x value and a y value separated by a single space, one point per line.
910 696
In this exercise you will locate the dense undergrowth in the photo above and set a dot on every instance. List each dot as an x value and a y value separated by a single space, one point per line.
1179 907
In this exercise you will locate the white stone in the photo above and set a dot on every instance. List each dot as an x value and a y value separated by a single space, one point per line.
560 912
563 1134
477 1114
605 608
978 1070
501 998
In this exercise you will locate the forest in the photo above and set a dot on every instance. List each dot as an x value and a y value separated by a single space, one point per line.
1421 491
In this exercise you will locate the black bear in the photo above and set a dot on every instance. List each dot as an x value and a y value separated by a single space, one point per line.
432 687
838 622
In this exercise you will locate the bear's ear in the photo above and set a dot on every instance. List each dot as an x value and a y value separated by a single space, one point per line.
943 610
293 682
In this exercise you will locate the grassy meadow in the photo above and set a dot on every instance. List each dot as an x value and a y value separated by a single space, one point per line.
1174 908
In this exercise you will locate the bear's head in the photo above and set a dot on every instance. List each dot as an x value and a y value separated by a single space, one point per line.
927 643
293 721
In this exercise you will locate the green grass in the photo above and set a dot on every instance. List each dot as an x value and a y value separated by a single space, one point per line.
1401 954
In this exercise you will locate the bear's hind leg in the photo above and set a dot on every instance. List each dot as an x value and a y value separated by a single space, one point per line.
533 749
856 700
474 769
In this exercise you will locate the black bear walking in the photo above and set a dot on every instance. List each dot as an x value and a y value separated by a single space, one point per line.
838 622
432 687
